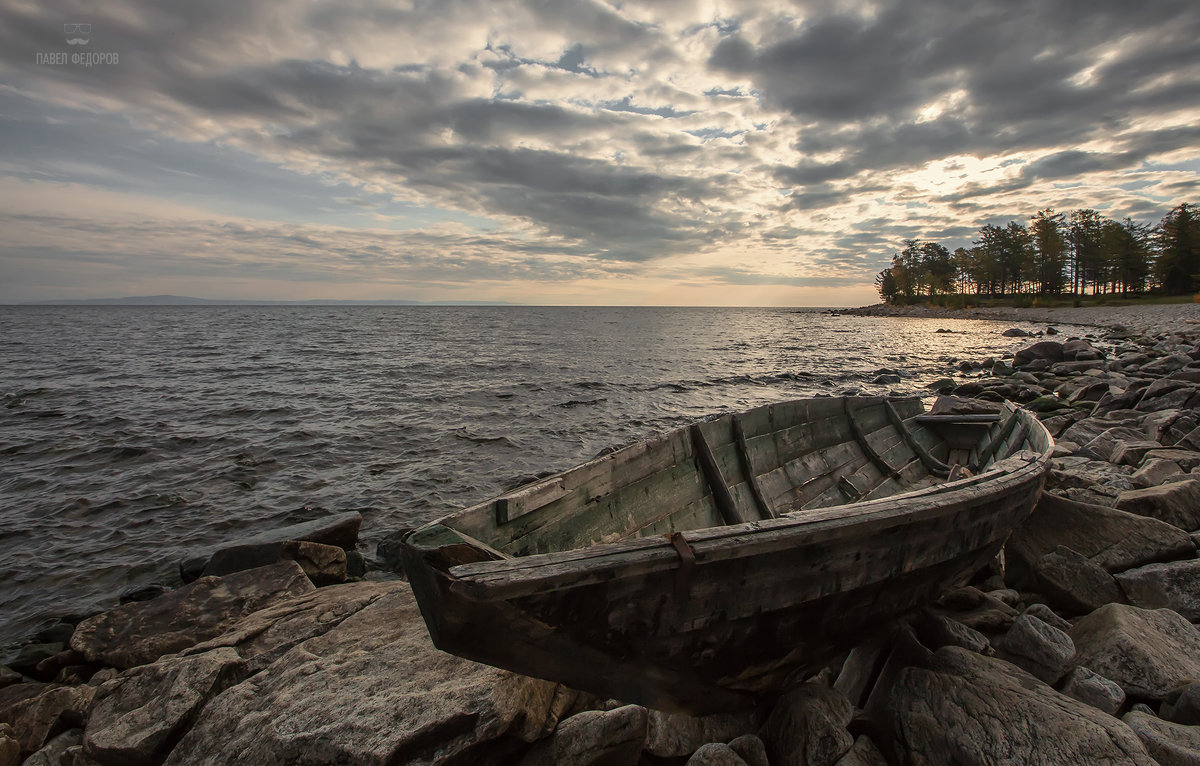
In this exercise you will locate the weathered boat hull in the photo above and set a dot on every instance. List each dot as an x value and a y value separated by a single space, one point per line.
705 619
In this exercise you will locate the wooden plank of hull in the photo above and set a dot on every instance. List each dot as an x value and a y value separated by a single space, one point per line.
726 634
764 600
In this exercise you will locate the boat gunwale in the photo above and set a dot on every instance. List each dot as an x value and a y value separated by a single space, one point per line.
510 577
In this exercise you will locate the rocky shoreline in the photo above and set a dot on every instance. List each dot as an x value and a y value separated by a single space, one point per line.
1140 318
1078 645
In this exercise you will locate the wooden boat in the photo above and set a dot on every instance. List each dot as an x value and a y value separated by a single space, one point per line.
730 558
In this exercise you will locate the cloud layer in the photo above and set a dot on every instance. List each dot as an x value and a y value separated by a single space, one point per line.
569 151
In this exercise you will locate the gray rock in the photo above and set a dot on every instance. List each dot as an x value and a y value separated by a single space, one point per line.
264 636
1146 652
1172 585
1048 616
1048 350
1075 346
397 700
8 677
1155 471
52 752
44 712
1114 540
1186 459
1041 649
1132 451
1015 332
324 564
750 748
1074 583
966 708
1182 704
937 630
1170 744
1093 689
714 754
988 615
10 749
886 379
808 727
673 735
593 738
1103 445
141 632
1176 503
137 716
861 667
1166 364
862 753
340 530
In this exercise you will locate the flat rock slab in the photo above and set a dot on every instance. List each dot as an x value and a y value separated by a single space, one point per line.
141 632
1176 503
1172 585
373 690
264 636
1113 539
1147 652
966 708
139 714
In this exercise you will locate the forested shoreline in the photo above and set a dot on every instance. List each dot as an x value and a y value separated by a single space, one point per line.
1056 255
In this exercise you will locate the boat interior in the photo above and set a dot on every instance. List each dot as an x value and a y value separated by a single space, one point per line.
761 464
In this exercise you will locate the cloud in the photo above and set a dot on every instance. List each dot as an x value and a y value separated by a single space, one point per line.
625 136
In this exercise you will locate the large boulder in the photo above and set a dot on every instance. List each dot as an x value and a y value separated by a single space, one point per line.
1042 649
1172 585
1147 652
1176 503
372 690
1073 582
966 708
1112 539
141 632
808 727
1171 744
137 716
1048 350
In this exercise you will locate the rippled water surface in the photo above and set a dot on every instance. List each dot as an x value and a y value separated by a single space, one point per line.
131 435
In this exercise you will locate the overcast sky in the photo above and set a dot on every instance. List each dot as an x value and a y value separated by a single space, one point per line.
568 151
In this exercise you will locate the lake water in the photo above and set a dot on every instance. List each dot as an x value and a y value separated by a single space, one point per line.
130 436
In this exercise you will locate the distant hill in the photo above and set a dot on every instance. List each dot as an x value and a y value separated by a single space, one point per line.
183 300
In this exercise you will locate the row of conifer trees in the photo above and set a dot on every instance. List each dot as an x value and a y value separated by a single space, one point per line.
1055 254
